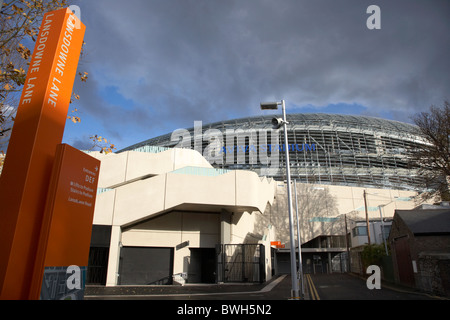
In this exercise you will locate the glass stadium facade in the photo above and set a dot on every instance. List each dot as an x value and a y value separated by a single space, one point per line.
323 148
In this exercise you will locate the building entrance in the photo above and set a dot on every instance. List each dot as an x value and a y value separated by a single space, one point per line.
202 265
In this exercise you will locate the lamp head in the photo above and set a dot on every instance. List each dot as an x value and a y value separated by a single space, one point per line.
269 105
277 122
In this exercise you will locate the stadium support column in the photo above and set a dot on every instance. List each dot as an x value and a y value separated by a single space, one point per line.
225 238
112 276
225 227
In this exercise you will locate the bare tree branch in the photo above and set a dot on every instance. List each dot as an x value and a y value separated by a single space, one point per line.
433 159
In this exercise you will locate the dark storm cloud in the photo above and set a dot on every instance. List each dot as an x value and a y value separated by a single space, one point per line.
186 60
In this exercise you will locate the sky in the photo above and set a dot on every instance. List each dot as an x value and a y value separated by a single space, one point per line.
155 66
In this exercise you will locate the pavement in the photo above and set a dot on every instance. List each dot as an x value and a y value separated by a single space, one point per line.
278 288
217 300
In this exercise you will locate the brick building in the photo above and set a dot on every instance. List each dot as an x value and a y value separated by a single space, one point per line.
420 243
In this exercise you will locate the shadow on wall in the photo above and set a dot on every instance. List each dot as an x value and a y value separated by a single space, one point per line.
317 211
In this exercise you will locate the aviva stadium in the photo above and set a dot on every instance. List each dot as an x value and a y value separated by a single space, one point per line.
209 204
323 148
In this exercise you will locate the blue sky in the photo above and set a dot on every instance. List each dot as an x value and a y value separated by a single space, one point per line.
155 66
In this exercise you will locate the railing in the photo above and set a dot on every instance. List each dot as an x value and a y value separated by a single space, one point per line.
151 149
101 190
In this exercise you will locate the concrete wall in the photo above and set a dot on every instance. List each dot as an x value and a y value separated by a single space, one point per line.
255 228
148 204
180 230
118 168
319 204
186 230
138 200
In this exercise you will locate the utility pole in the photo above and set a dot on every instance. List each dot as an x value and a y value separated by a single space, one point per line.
367 218
347 244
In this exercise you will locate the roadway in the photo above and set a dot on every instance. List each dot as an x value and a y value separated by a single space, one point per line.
336 286
271 300
342 286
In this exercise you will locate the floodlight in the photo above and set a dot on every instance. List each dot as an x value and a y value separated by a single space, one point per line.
269 105
277 122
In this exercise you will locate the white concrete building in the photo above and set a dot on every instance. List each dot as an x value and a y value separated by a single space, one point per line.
164 212
168 213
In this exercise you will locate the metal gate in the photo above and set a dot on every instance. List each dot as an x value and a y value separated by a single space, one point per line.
241 263
97 266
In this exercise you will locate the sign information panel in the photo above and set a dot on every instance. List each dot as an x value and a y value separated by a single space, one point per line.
67 225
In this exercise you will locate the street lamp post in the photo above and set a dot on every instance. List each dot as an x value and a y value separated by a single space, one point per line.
277 122
299 242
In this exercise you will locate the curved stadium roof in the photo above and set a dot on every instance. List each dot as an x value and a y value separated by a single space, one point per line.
327 148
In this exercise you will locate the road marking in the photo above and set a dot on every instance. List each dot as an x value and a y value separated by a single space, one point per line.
312 288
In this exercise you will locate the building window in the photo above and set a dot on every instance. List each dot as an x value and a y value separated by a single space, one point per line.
387 230
359 231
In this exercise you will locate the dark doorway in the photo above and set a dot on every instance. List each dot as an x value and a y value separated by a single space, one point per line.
98 255
97 266
202 265
145 265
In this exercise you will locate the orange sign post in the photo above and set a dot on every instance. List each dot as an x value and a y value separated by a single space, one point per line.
67 225
38 129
